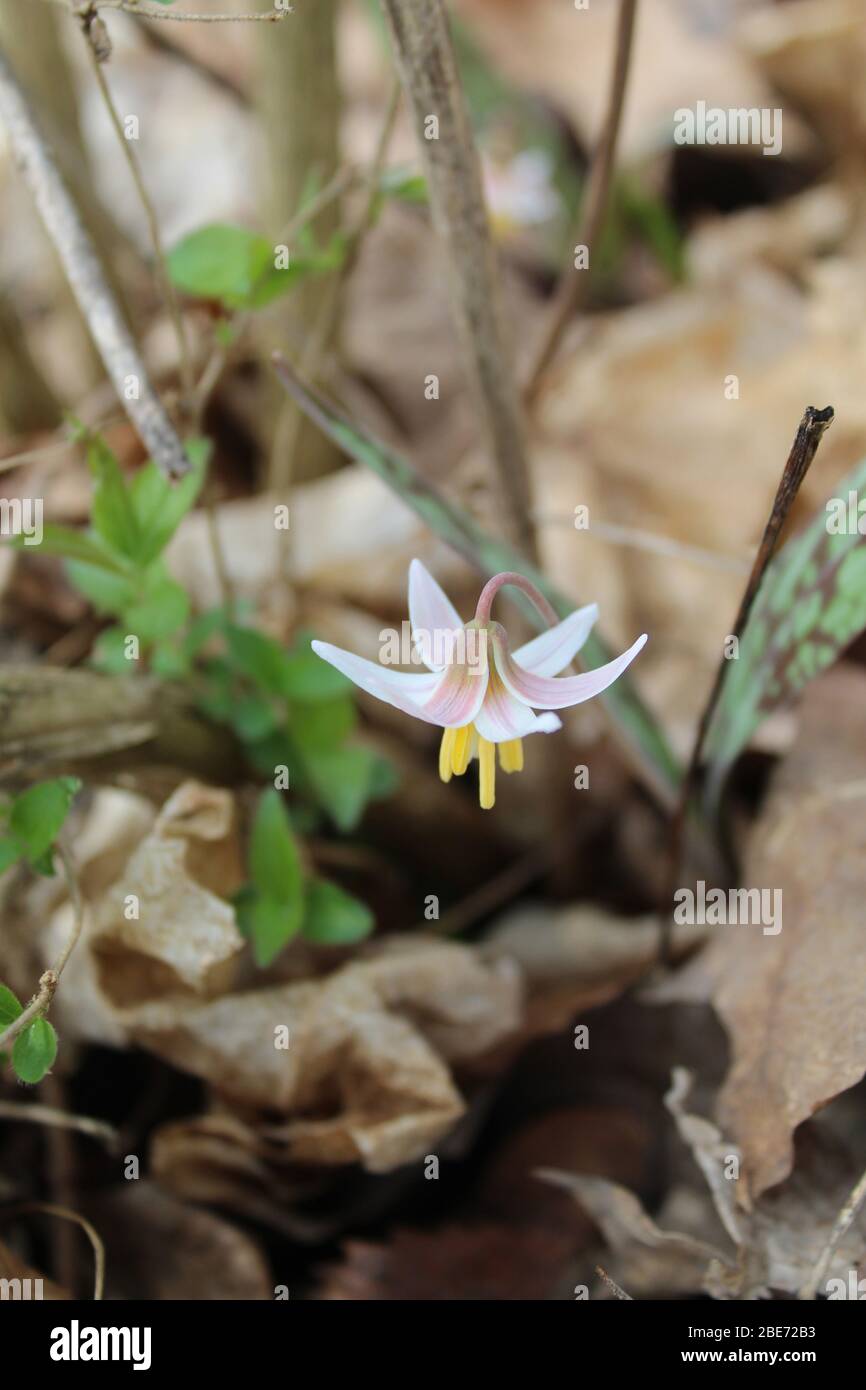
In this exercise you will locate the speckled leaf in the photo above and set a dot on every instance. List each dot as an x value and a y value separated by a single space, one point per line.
810 607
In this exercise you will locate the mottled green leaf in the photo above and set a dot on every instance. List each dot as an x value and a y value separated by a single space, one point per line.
811 605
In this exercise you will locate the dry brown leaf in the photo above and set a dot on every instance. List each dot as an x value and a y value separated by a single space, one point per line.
183 940
158 1248
465 1262
793 1003
577 958
364 1077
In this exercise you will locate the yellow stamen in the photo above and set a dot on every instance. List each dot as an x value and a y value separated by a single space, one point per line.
446 753
461 749
511 755
487 773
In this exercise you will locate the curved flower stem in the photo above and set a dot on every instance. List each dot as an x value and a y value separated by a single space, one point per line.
518 581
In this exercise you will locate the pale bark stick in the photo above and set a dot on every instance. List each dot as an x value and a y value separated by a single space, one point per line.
428 69
119 354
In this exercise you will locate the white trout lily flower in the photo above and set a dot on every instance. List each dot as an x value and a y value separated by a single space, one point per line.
478 691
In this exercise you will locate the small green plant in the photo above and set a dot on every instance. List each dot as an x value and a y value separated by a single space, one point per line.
281 901
31 822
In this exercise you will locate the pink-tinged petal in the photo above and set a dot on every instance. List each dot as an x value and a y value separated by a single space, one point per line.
551 652
405 690
552 692
459 695
431 611
501 717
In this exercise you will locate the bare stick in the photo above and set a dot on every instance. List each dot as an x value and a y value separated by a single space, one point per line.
122 360
272 16
571 293
803 450
428 70
840 1226
34 1114
613 1286
168 290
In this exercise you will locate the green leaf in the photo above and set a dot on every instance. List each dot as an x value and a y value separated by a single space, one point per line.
221 262
811 605
636 724
268 923
10 1008
275 865
112 512
161 505
259 657
323 725
10 851
342 779
163 609
34 1051
335 918
306 677
408 187
77 545
38 814
254 717
108 592
109 652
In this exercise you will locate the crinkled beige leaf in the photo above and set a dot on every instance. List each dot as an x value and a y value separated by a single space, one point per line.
364 1077
184 938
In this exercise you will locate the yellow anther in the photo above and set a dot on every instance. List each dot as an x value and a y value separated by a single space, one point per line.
487 773
446 753
461 749
511 755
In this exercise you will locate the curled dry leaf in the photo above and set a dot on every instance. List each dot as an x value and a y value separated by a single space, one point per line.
364 1075
792 1003
156 924
774 1245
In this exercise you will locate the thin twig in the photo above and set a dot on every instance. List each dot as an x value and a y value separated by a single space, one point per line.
48 982
803 450
288 430
840 1226
51 1209
571 293
168 290
272 16
425 59
80 262
30 1112
613 1286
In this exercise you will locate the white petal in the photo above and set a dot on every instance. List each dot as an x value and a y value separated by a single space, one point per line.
501 717
430 611
549 692
551 652
403 689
